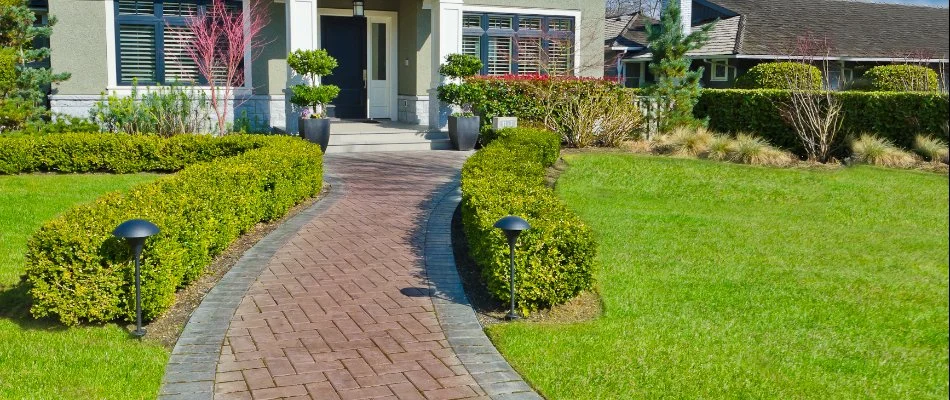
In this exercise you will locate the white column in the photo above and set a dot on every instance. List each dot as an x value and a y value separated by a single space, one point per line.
446 39
303 29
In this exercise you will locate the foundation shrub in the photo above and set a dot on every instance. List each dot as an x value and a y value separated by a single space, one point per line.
555 258
902 77
77 272
781 75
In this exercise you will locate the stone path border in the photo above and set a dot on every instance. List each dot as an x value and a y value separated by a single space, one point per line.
465 334
191 369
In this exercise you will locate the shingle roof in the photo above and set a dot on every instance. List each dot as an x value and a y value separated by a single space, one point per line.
853 29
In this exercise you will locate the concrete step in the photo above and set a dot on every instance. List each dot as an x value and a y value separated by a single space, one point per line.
381 138
442 144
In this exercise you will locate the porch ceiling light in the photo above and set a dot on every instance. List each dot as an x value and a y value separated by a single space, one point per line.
358 8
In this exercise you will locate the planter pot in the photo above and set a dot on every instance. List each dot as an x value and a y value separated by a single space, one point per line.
463 132
316 130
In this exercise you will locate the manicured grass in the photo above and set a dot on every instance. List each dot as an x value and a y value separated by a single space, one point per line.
42 359
729 281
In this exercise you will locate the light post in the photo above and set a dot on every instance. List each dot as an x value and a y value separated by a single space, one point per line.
512 226
135 231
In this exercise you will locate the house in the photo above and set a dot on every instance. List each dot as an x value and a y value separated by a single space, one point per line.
389 51
847 36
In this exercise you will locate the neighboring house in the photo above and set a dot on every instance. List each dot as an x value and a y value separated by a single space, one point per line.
748 32
389 59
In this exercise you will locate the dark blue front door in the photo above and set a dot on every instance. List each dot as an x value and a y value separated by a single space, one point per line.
345 39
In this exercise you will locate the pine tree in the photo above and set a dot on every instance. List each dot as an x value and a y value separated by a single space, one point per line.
18 33
675 82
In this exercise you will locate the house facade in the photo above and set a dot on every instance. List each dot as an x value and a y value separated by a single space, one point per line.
389 51
846 37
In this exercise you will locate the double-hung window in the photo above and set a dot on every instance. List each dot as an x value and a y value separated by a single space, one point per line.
152 38
520 44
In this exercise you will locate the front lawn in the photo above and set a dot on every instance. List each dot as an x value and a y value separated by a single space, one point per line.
730 281
42 359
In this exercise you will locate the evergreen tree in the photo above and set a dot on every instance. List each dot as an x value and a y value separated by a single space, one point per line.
675 82
25 100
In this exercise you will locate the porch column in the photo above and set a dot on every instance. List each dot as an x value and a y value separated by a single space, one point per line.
302 33
446 39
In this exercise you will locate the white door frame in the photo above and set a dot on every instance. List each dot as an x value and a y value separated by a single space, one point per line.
390 18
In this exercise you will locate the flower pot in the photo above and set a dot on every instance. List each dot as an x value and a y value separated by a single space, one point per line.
316 130
463 132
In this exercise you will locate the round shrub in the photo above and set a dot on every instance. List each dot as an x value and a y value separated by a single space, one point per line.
902 78
781 75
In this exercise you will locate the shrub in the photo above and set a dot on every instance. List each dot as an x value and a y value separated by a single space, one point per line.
313 64
460 66
898 117
873 150
781 75
584 111
903 77
931 149
721 148
78 272
555 260
165 111
754 150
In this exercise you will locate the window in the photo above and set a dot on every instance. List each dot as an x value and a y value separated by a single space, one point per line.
152 40
519 44
719 71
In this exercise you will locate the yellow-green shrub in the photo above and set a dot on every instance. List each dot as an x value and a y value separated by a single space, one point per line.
902 77
781 75
555 258
78 272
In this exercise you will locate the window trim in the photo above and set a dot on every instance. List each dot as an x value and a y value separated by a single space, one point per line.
114 56
484 32
713 77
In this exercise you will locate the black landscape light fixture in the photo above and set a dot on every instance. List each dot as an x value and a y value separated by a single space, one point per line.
135 231
512 226
358 9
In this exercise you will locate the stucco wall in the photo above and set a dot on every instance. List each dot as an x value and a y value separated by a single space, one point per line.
269 70
415 46
78 45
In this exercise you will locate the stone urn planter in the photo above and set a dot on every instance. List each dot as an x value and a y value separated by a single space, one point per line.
316 130
464 131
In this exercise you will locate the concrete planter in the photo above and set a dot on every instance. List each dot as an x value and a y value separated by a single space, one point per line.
316 130
463 132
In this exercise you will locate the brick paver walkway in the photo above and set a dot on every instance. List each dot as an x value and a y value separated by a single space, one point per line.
342 310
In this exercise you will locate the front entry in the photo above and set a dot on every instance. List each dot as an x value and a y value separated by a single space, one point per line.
345 39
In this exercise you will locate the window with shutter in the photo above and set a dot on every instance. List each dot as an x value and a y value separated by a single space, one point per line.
559 57
472 45
529 23
136 7
529 56
181 8
499 55
137 53
499 22
179 66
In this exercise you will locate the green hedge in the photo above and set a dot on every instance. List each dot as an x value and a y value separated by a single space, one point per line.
78 272
780 75
897 116
902 77
555 258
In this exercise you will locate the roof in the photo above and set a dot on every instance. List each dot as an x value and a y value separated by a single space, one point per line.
852 29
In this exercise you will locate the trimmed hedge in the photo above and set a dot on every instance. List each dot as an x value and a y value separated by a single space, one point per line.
902 77
76 269
780 75
897 116
555 258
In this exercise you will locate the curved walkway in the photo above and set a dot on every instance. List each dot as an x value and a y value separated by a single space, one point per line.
339 303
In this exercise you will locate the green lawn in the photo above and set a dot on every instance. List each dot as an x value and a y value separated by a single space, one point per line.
41 359
730 281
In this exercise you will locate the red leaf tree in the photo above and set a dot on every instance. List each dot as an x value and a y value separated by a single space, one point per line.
220 41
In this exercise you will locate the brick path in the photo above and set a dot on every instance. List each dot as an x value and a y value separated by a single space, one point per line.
342 310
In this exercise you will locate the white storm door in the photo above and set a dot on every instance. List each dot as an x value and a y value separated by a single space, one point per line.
381 68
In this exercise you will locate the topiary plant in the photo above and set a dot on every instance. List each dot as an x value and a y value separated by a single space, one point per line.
461 66
781 75
462 94
902 78
313 64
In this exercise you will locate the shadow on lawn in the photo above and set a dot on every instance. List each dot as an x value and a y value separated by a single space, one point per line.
16 302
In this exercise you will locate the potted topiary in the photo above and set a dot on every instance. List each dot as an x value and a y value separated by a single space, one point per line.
311 96
464 126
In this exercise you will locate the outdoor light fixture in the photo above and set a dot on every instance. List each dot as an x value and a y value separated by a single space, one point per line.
512 226
357 8
134 231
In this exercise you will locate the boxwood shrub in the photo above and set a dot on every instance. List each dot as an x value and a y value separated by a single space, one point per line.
780 75
78 272
555 258
901 77
897 116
